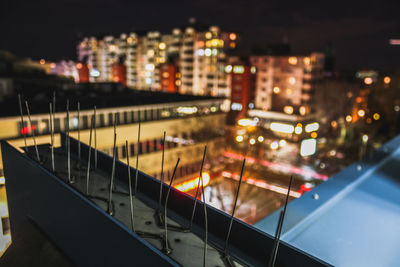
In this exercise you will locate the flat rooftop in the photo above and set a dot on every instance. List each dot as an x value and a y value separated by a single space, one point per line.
103 95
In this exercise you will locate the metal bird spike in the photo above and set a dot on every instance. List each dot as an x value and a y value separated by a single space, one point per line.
68 145
205 212
137 159
130 187
110 209
234 207
168 250
79 131
162 174
54 102
33 132
53 168
275 247
89 155
95 139
198 186
115 132
22 122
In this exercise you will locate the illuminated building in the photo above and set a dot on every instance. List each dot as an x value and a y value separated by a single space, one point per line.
199 55
83 72
189 122
68 69
241 81
287 81
118 71
169 82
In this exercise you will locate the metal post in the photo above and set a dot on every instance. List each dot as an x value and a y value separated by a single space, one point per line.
130 187
205 213
89 155
275 247
167 250
22 122
95 139
234 207
33 131
137 160
162 174
68 145
52 139
198 186
79 132
110 209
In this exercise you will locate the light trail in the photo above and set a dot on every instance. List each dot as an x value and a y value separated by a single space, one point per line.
279 166
262 184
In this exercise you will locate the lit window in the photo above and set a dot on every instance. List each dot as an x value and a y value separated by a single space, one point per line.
386 80
307 61
214 42
238 69
302 110
276 90
312 127
288 109
162 46
200 52
112 48
253 69
289 91
236 106
149 67
150 53
368 80
292 60
281 127
228 68
292 80
308 147
208 52
274 145
232 36
208 35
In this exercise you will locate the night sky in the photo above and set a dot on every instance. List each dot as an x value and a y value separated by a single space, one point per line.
359 31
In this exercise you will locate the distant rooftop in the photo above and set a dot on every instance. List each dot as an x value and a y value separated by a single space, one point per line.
103 95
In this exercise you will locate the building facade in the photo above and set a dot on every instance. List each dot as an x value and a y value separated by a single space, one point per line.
199 56
287 83
189 125
242 84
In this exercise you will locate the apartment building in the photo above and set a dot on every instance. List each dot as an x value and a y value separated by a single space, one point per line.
198 53
287 83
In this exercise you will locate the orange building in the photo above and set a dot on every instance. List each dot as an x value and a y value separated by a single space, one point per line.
168 78
118 72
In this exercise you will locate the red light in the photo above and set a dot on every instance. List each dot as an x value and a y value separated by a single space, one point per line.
26 130
305 188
